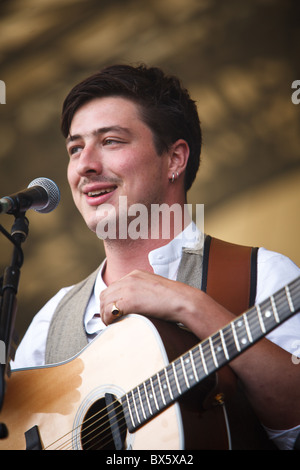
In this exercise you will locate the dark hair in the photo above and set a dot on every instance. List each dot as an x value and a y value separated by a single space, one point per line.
165 105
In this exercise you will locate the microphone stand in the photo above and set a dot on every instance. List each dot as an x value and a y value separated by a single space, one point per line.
8 302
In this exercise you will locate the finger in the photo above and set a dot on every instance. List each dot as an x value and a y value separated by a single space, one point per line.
111 311
116 311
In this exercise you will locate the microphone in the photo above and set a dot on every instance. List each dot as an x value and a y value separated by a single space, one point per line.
41 195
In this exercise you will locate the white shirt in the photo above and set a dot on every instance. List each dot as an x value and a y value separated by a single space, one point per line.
274 271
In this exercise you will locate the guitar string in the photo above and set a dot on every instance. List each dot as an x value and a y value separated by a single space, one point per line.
255 313
250 313
94 438
92 432
77 428
192 348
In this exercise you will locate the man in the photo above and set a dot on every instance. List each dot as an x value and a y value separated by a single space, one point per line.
133 134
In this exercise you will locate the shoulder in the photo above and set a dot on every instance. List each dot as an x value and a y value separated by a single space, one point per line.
31 350
274 271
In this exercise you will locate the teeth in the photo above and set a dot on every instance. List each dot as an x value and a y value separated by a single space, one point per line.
98 193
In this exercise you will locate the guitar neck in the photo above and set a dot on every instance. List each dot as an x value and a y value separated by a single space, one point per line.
152 396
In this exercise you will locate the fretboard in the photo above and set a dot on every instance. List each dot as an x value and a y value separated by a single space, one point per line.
159 391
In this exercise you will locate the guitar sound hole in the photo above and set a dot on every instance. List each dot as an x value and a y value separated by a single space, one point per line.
96 429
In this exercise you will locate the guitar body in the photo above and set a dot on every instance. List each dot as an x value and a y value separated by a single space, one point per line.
59 398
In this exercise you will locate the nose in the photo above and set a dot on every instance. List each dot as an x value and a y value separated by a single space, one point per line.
89 161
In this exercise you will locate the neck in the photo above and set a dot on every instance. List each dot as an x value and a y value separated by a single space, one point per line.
125 255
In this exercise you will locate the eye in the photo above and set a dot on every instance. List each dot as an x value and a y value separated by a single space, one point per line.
74 149
112 141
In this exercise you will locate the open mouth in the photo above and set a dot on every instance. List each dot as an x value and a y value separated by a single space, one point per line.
100 192
96 196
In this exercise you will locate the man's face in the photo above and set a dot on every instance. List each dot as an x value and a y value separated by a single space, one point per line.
112 154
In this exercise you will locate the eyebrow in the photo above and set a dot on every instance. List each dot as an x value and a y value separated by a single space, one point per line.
101 130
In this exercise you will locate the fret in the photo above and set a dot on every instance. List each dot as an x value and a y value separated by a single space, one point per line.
135 404
141 402
218 344
197 361
161 390
168 384
176 377
294 288
289 298
274 308
202 359
157 395
230 342
224 345
247 328
184 373
237 344
147 399
241 332
269 315
151 395
129 407
165 387
172 381
213 352
208 357
262 326
190 371
283 305
193 366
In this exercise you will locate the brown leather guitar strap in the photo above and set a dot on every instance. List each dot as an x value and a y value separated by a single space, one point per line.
229 274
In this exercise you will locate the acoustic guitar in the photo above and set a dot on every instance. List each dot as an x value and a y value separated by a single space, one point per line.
129 388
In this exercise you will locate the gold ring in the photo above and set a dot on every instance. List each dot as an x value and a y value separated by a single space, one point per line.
116 311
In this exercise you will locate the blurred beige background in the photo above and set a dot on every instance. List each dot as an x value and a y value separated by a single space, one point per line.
238 58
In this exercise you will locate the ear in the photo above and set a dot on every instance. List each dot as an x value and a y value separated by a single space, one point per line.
178 158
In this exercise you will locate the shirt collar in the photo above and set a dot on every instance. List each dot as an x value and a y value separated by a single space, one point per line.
191 237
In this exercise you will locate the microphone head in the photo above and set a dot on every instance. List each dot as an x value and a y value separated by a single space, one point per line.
52 191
